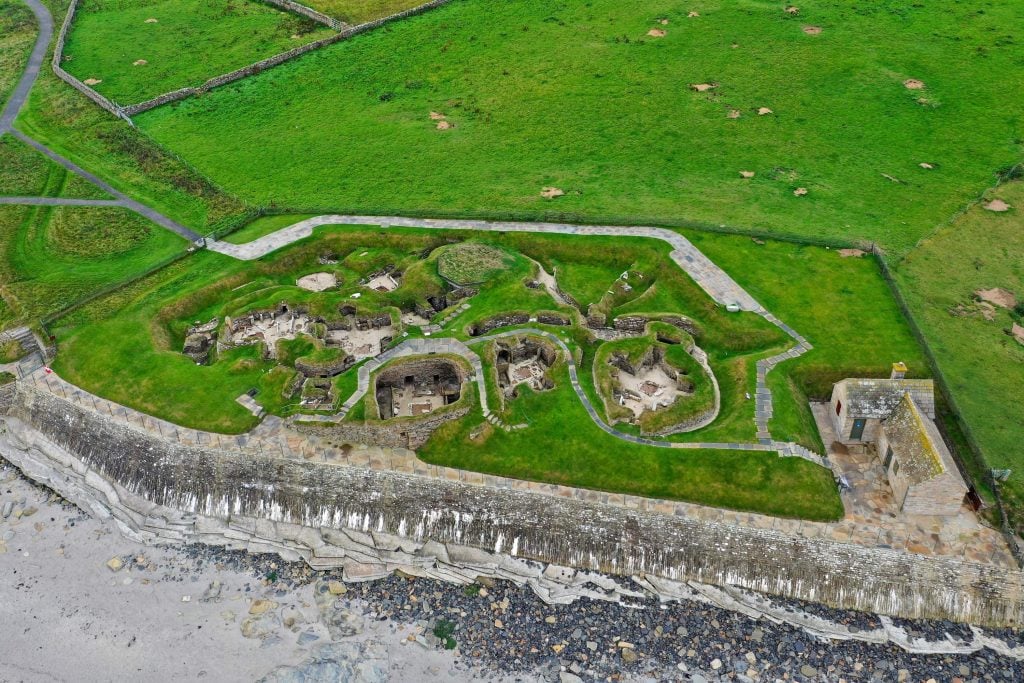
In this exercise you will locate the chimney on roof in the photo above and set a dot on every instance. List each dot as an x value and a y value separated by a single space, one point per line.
899 370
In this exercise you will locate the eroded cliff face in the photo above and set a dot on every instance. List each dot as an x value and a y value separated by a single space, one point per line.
371 522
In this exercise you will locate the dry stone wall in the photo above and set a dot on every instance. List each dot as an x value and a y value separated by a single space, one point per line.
309 13
275 60
58 55
369 521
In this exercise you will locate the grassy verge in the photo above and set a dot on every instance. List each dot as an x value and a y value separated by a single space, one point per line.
530 90
982 363
138 50
24 172
70 124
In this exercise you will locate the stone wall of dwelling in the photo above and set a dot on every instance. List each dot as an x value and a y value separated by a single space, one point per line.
405 432
943 495
164 491
508 319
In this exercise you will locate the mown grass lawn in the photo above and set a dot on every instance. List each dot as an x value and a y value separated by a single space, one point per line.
135 58
983 364
579 97
841 305
52 257
586 457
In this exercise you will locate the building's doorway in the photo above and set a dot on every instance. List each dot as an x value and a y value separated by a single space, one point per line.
858 429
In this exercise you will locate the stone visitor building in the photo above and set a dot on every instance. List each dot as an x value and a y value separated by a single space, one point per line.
896 417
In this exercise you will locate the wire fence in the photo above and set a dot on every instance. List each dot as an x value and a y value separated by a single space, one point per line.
980 465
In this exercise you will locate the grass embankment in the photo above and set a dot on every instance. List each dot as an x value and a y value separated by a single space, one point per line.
361 11
51 257
971 340
70 124
138 50
635 351
334 129
17 34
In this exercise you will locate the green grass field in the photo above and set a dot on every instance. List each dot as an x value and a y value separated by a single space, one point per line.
360 11
135 58
982 362
589 458
52 257
580 98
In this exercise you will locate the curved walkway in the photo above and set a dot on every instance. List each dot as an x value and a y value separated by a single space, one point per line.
711 278
17 101
453 346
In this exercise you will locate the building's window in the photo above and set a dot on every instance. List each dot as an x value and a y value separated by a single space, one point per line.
888 457
839 407
895 467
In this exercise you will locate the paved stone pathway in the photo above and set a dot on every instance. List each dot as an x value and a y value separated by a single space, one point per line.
17 101
715 281
426 346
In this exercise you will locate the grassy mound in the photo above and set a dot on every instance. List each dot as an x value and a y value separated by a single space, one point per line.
469 263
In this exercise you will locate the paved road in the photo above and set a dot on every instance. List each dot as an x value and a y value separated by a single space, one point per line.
17 101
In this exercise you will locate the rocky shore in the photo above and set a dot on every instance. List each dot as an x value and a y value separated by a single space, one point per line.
199 611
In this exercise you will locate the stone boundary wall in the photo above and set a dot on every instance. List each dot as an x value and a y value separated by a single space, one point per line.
309 13
275 60
368 522
58 55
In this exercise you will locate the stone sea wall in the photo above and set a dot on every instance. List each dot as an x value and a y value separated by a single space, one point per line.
370 522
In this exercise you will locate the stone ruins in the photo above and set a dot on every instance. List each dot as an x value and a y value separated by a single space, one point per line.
418 387
650 385
524 360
